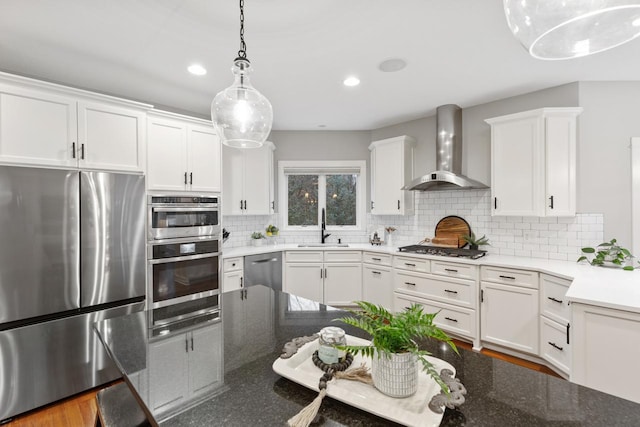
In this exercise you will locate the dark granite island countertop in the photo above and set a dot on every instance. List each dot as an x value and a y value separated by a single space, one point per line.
219 372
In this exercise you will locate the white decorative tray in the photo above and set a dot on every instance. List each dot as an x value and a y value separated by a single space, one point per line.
410 411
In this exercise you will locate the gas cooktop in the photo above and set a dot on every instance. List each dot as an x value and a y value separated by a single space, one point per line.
450 252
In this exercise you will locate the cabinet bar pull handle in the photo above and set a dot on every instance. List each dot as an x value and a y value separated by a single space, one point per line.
186 345
191 178
409 283
554 345
507 277
245 205
398 204
568 326
451 270
185 178
240 204
481 295
495 203
555 300
450 291
321 273
73 150
241 282
325 273
191 343
409 264
450 319
551 202
372 204
82 151
273 205
377 259
375 272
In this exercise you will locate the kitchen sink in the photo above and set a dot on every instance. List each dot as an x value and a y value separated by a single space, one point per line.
324 245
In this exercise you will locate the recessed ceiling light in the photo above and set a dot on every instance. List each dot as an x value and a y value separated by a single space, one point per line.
392 65
197 70
322 126
351 81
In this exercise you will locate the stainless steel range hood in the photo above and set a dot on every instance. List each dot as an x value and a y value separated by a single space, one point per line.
448 176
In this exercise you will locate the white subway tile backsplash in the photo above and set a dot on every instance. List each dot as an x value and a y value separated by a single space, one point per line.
548 238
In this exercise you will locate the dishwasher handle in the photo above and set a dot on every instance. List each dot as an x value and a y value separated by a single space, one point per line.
261 261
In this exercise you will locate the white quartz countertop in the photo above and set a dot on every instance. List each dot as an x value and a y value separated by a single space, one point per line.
601 286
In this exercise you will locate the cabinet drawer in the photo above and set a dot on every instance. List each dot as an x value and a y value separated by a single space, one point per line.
553 302
553 344
343 256
232 264
377 258
412 264
450 269
453 291
454 320
509 276
303 256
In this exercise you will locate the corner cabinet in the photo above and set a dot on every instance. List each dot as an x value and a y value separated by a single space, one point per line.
49 125
533 163
392 169
183 154
248 180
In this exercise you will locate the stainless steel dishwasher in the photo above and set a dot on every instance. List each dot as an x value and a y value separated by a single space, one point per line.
264 269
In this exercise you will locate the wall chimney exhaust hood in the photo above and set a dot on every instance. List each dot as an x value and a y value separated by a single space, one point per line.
448 175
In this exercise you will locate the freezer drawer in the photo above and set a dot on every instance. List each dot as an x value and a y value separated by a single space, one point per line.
48 361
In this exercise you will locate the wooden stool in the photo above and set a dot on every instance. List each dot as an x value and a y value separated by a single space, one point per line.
117 407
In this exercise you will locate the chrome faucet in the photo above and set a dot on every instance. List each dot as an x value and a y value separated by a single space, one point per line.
323 228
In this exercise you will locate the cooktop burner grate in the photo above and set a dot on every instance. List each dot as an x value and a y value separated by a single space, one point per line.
450 252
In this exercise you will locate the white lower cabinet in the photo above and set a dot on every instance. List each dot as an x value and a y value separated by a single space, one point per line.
330 277
172 363
605 350
509 316
232 274
555 314
377 279
377 285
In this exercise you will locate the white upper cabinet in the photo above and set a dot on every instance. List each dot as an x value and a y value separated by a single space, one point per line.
248 180
49 125
392 169
183 154
533 163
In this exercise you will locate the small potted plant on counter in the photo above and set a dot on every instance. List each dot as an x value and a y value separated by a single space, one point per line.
393 350
474 242
608 254
256 238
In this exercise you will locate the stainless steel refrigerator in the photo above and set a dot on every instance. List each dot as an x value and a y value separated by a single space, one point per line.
72 251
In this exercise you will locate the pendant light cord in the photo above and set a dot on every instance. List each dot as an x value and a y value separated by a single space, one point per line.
242 53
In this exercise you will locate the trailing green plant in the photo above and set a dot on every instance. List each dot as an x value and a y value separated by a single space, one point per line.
475 242
397 333
607 252
258 235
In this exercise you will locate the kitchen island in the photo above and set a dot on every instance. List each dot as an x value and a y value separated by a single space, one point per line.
219 372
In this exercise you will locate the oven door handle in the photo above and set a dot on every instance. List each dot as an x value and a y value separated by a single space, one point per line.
185 209
184 258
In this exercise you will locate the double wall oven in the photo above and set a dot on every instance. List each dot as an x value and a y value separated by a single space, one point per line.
184 256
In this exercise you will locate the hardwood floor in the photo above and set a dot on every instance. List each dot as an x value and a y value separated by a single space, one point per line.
80 410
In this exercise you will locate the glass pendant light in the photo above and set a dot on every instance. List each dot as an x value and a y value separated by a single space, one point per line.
564 29
242 115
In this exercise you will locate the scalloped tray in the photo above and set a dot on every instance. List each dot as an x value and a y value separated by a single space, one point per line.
410 411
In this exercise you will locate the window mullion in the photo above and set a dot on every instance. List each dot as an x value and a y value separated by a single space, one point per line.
322 197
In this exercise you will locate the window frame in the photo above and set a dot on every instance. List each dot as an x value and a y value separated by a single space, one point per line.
323 167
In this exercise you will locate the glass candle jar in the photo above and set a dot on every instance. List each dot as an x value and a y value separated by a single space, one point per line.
329 338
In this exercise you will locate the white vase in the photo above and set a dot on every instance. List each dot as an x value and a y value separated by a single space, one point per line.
389 241
256 242
397 375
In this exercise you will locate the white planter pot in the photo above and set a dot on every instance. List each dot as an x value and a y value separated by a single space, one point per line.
395 376
256 242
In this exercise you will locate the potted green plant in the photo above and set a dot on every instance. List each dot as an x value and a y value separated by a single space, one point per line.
608 254
271 230
393 350
256 238
474 242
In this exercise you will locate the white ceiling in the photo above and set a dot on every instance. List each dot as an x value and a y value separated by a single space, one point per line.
457 51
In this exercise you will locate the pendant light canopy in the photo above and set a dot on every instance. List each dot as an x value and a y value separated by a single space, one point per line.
242 115
565 29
